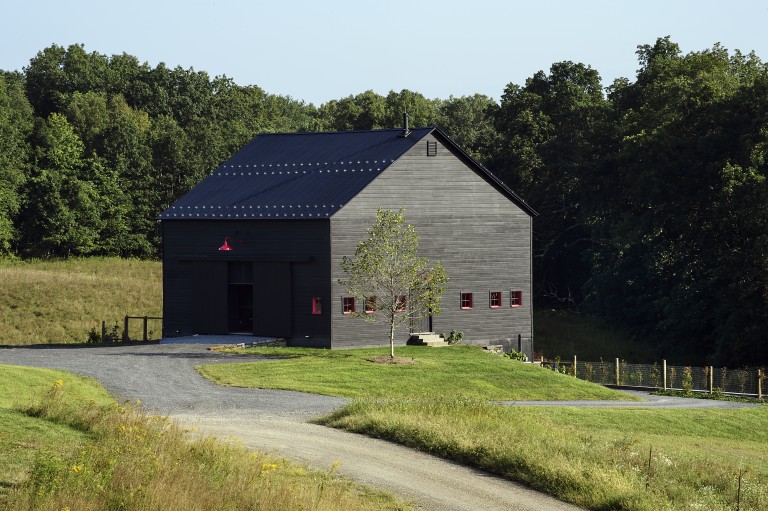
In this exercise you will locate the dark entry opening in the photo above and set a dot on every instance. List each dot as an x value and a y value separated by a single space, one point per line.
240 297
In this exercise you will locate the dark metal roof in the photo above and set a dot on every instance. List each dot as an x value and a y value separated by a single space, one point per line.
294 175
304 175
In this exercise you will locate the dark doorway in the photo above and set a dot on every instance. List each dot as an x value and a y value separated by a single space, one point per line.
240 297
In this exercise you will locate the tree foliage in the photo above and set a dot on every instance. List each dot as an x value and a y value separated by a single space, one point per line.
387 275
652 192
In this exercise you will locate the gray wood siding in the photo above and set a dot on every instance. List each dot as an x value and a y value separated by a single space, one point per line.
480 236
191 246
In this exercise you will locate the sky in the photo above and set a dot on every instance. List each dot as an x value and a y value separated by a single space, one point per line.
316 51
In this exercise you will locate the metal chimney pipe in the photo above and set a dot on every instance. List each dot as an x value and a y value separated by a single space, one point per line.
406 129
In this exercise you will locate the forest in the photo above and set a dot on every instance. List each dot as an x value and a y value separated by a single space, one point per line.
652 192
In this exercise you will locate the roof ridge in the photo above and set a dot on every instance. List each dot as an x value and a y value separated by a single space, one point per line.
343 132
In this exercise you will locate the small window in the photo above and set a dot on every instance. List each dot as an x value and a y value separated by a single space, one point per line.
466 300
370 304
400 306
348 305
317 305
495 299
515 298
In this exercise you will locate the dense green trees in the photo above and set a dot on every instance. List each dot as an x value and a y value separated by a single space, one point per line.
652 192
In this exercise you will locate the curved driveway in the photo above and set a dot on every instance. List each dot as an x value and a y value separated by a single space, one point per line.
163 377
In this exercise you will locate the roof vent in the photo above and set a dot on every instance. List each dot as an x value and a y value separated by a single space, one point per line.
406 129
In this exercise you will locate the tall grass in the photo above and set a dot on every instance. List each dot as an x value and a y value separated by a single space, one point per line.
60 301
596 458
131 460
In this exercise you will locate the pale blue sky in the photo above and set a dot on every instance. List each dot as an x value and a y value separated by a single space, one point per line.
321 50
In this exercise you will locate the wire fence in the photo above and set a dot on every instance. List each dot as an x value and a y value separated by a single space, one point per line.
746 382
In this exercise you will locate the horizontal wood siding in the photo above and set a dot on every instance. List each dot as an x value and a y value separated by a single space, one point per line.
300 245
480 236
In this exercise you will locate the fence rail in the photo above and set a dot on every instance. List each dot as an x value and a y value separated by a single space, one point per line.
147 334
746 382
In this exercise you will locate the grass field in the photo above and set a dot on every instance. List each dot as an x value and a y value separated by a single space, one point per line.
66 445
60 301
597 458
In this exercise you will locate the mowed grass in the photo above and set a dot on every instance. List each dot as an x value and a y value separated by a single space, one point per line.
65 444
60 301
458 371
596 458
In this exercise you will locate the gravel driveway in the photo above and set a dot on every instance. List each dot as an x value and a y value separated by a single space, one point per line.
163 377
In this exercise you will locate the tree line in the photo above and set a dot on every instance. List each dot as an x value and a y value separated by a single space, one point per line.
651 192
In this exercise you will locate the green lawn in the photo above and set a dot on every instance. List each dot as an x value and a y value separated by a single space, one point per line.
458 371
596 458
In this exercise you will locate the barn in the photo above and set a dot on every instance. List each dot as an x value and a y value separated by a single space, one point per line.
256 247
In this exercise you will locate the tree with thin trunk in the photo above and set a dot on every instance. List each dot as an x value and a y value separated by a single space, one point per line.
393 282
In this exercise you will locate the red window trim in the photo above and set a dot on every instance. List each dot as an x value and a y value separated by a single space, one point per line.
370 305
401 303
317 305
515 298
348 305
466 300
494 299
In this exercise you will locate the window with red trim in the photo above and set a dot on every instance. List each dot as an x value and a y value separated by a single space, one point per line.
400 306
515 298
466 300
370 304
348 305
495 299
317 305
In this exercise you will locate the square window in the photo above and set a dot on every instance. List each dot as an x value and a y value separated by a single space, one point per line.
515 298
370 304
495 299
348 305
317 305
400 306
466 300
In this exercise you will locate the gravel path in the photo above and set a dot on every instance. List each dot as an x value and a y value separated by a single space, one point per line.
163 377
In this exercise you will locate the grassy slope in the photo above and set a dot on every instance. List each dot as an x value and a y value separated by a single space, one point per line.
60 301
71 450
597 458
465 371
23 437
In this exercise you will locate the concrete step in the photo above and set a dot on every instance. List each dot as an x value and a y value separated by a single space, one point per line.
426 339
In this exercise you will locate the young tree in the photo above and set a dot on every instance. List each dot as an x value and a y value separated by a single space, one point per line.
388 274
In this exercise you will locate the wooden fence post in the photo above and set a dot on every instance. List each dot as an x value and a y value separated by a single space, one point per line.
711 379
617 372
125 329
664 370
759 384
574 367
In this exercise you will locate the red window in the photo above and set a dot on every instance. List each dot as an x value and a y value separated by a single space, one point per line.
317 305
515 298
495 299
370 305
348 305
400 306
466 300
